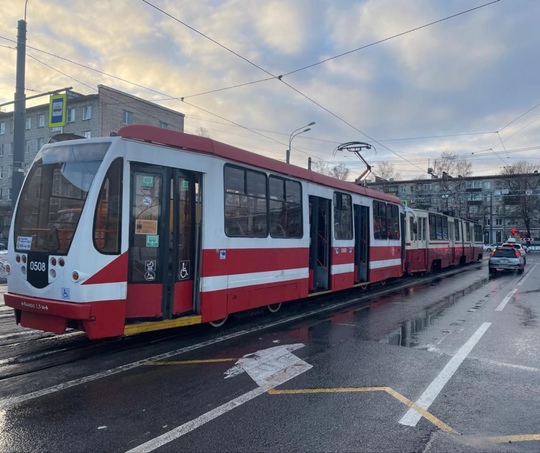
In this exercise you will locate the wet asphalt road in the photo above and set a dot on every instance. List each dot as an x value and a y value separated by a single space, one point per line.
463 350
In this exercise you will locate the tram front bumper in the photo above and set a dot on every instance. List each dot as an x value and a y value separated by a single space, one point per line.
99 319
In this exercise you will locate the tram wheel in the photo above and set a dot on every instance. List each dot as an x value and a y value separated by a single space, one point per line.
273 308
219 322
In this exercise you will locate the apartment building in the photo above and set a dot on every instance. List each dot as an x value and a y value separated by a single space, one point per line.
502 204
94 115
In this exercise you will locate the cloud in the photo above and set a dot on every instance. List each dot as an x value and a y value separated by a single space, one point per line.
473 73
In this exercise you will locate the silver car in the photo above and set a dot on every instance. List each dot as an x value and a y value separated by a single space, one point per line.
506 259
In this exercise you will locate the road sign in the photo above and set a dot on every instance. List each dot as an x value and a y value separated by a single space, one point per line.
57 110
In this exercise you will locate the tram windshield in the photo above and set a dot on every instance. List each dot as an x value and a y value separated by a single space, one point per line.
54 194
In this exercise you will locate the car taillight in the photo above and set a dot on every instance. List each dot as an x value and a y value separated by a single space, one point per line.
517 253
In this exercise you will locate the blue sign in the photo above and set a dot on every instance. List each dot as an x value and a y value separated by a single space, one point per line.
57 110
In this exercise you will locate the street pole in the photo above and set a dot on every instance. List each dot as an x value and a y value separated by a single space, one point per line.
19 115
294 134
491 241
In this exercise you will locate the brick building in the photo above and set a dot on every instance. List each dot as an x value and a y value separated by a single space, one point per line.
93 115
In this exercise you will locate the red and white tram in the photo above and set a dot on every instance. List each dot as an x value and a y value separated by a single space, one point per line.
435 241
154 229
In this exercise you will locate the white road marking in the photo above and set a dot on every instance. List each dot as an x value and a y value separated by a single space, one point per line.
527 275
15 400
511 365
268 368
506 299
412 417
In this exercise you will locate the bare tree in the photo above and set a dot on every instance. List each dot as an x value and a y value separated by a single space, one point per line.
522 182
451 164
339 171
202 132
386 170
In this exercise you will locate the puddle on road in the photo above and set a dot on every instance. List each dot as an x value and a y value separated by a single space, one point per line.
378 321
407 334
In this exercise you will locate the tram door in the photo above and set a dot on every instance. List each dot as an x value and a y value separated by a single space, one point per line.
164 242
319 249
361 243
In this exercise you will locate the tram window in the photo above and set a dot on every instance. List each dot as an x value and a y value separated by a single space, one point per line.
477 233
342 216
467 231
392 213
107 217
285 208
54 195
456 229
432 227
445 228
412 229
379 220
246 204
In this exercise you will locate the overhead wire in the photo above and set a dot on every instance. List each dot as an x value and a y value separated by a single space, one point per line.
280 77
397 35
272 76
63 73
168 97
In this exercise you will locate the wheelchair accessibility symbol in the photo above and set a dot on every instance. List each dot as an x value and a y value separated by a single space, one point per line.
183 271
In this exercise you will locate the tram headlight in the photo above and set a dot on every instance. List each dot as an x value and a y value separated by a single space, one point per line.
7 268
23 270
75 276
52 273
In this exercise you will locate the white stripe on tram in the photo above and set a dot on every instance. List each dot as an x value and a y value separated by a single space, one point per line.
253 278
384 263
342 268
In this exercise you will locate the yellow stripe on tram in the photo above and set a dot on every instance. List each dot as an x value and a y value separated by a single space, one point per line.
133 329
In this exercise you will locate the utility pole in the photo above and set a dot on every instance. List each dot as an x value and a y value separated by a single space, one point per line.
19 114
491 218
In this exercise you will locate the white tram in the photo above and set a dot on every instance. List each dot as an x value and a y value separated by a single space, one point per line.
154 229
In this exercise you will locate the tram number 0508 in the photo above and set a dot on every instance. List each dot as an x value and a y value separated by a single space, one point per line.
37 266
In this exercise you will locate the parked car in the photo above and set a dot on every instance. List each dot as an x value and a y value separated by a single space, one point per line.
524 245
490 247
3 246
506 258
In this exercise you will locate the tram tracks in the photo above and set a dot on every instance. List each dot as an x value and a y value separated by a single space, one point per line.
28 352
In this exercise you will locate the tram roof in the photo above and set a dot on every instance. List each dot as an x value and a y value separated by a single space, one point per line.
180 140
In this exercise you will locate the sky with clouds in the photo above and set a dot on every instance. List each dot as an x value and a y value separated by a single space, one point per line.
413 78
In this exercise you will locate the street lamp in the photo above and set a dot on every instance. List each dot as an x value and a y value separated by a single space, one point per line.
294 133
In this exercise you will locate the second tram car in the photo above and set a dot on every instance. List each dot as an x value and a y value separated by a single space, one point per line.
436 241
153 229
